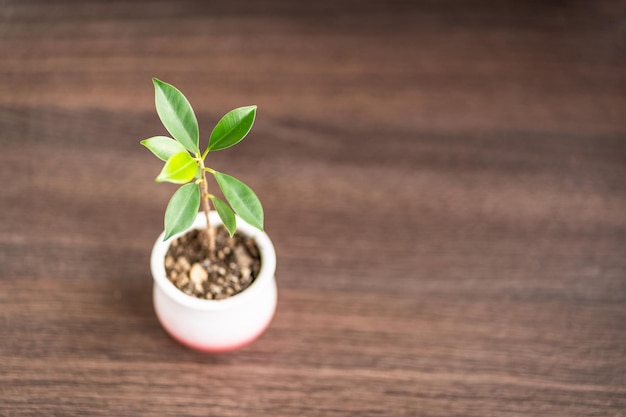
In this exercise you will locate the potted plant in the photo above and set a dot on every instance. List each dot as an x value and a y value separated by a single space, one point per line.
214 285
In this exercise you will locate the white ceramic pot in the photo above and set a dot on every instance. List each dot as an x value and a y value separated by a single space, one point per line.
216 325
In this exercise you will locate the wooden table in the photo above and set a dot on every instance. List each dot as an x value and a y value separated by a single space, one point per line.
445 184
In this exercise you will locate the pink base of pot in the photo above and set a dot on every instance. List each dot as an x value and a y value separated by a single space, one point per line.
213 348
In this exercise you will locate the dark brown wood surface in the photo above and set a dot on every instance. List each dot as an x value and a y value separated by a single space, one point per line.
445 184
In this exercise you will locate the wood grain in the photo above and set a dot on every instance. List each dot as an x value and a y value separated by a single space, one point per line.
445 184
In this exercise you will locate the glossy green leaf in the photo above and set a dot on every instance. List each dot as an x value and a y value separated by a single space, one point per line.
226 214
176 114
163 147
232 128
179 169
182 209
242 199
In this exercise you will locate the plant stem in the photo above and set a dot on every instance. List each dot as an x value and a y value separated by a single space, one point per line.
204 188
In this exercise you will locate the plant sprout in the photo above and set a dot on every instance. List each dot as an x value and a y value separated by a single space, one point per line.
185 164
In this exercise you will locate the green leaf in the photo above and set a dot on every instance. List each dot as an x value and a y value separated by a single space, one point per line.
177 115
232 128
163 147
226 214
241 198
182 209
179 169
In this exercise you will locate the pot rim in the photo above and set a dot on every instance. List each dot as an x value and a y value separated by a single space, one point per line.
266 273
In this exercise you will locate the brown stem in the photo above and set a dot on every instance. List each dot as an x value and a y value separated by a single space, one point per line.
206 206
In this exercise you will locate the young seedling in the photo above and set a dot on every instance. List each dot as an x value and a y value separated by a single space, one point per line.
185 164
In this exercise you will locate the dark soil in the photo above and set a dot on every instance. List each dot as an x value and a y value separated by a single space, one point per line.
233 269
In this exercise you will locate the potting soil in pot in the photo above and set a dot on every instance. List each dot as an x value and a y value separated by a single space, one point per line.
234 267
